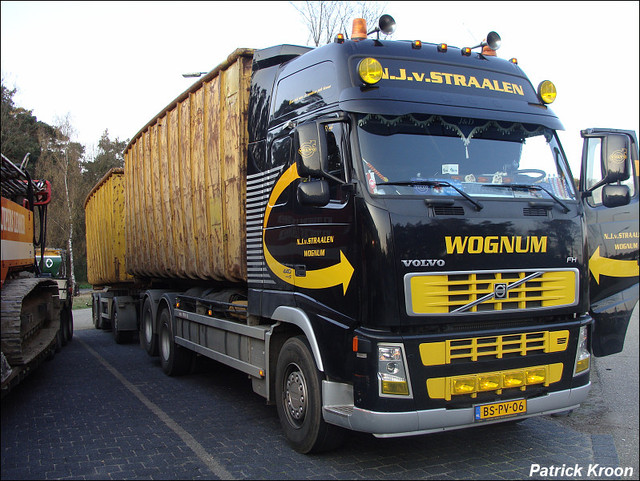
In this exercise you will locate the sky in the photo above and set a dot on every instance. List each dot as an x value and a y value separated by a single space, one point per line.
115 65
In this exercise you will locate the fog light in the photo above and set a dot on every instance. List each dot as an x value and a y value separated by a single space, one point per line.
536 376
547 92
489 383
395 387
463 385
370 70
513 379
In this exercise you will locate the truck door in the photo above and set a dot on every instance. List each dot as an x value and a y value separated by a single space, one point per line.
324 250
279 223
609 187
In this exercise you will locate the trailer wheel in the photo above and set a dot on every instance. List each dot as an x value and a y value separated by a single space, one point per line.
175 359
118 335
95 312
148 340
299 400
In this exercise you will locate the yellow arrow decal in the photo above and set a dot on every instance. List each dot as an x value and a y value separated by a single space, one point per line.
334 275
603 266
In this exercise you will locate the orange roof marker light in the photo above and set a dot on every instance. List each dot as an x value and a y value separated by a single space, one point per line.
359 29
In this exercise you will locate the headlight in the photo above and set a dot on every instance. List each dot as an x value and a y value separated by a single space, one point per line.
392 373
583 356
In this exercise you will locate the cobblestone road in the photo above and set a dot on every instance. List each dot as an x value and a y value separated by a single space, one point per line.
104 411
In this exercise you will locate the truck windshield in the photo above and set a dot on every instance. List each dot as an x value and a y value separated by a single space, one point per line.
409 154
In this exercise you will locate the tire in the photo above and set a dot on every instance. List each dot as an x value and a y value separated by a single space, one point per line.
95 312
148 340
59 340
120 337
299 400
175 359
66 318
70 325
117 334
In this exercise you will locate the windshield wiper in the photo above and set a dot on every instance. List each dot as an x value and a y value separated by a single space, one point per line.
437 183
534 187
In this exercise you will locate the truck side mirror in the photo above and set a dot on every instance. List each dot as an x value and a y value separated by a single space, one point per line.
311 149
314 193
615 195
615 158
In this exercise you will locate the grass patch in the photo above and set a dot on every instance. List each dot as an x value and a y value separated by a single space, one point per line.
83 301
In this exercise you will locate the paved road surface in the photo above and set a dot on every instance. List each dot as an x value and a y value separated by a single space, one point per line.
104 411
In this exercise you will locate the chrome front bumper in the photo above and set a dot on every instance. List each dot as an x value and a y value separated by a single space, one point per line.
338 409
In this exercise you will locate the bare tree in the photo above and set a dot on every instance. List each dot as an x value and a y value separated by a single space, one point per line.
325 19
60 164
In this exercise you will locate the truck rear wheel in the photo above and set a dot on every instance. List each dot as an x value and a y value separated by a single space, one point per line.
148 340
117 334
299 400
175 359
95 312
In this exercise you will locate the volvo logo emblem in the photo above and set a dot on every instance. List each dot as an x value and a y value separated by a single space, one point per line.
500 291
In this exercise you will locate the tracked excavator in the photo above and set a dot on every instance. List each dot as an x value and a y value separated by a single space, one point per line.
32 325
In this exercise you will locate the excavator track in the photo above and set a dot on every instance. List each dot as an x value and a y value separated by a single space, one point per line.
30 318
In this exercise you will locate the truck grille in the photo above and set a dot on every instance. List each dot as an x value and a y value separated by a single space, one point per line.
454 351
489 291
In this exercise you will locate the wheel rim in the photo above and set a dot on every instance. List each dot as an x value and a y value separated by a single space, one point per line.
295 395
165 345
148 332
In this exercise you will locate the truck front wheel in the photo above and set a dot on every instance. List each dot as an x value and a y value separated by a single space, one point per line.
299 400
175 359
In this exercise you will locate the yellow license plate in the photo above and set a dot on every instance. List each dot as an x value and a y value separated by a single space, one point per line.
500 410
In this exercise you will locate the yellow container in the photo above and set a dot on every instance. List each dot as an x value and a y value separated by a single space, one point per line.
105 221
185 173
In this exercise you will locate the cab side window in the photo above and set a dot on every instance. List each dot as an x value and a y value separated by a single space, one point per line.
336 155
